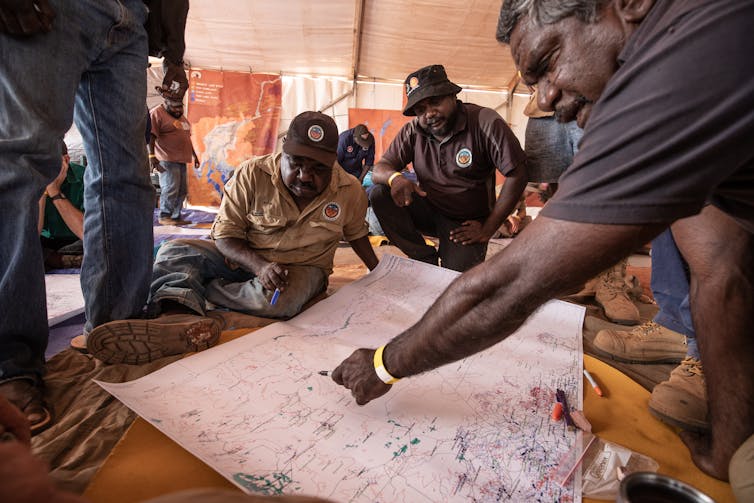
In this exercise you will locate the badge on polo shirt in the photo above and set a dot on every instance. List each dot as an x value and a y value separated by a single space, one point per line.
350 149
331 212
463 158
316 133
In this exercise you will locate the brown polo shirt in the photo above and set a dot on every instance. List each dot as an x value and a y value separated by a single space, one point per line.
257 207
458 174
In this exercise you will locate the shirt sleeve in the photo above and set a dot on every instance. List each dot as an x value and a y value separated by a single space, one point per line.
502 145
342 140
231 221
400 153
369 160
357 226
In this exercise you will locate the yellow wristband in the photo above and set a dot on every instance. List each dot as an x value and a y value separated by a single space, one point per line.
392 177
380 369
152 155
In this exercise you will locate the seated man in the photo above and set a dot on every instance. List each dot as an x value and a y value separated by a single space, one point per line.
274 241
455 148
61 216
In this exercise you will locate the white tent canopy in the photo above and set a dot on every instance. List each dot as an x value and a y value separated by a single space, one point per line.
381 40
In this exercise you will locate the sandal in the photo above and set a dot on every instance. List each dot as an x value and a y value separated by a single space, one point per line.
26 393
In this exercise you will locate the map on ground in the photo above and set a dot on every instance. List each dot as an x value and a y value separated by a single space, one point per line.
256 409
64 297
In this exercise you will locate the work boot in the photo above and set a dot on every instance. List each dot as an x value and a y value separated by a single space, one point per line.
142 341
611 293
647 343
681 401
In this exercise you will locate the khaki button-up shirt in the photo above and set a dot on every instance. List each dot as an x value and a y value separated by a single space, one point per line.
257 207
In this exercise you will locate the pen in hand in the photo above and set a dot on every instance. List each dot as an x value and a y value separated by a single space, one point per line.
275 296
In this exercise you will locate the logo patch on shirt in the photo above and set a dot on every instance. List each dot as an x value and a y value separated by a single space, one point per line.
331 212
316 133
349 149
463 158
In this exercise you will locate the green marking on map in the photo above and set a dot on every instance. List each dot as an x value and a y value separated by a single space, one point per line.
271 484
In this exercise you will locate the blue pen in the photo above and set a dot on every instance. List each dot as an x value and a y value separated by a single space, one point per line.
275 296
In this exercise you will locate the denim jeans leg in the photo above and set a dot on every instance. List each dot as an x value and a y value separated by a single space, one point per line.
118 194
182 191
182 269
38 80
670 288
170 189
456 256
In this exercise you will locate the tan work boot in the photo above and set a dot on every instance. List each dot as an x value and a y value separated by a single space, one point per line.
647 343
681 401
611 293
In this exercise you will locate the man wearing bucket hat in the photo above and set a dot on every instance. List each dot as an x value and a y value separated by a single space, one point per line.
273 242
455 149
356 151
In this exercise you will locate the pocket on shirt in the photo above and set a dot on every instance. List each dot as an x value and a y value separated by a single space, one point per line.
332 228
265 223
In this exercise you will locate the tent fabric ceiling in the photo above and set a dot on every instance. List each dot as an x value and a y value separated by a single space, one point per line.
322 37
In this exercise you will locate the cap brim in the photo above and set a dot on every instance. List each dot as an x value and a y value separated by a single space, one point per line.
319 155
440 89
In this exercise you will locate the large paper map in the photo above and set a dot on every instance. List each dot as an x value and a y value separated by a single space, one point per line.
257 411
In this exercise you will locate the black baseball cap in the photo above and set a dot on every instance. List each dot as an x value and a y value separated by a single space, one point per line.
427 82
313 135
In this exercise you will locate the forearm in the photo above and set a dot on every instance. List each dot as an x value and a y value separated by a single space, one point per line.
382 172
492 300
238 251
506 203
41 217
365 252
71 215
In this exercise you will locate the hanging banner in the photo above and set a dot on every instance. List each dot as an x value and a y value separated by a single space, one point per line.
234 116
383 124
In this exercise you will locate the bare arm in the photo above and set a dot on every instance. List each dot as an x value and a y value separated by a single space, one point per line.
364 250
238 252
489 302
71 215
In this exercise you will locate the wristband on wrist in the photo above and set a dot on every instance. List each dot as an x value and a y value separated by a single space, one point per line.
380 369
152 155
392 177
57 196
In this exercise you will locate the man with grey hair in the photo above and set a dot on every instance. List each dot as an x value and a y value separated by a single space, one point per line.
658 149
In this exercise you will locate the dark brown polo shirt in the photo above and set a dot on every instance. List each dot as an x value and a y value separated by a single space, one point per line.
458 174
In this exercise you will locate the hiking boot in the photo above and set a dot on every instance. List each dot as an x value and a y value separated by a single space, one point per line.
142 341
611 293
681 401
741 471
647 343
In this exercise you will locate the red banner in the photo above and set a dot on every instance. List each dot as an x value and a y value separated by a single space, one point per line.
234 116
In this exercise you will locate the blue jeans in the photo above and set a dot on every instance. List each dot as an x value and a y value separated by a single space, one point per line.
191 272
94 60
173 189
670 288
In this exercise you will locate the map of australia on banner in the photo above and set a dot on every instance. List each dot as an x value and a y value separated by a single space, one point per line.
234 116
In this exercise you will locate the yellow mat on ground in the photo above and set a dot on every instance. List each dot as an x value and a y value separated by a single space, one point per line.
146 463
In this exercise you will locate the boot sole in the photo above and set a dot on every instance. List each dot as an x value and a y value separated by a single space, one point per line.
695 427
647 361
142 341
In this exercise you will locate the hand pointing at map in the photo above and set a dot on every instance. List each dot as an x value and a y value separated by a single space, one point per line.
357 373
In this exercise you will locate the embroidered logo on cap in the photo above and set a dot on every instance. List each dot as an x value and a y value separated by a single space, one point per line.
315 133
413 83
350 149
463 158
331 211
